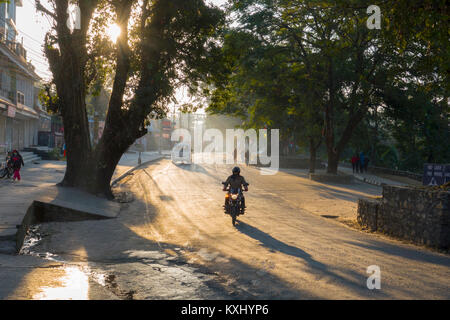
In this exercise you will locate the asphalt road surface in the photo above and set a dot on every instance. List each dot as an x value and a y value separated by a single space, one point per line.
278 250
173 241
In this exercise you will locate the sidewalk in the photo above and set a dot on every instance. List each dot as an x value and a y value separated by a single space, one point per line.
130 160
371 178
37 179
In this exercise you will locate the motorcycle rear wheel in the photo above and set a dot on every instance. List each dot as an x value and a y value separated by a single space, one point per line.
233 216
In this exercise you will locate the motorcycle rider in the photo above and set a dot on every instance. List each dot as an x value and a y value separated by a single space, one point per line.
236 181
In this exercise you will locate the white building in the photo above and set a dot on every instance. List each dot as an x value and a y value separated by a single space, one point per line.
20 114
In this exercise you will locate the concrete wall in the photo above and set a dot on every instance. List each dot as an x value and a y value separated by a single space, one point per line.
420 215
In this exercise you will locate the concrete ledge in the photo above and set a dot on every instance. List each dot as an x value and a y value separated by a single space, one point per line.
128 172
79 201
332 178
369 181
65 205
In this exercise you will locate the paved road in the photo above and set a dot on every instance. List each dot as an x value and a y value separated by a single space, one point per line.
279 250
174 242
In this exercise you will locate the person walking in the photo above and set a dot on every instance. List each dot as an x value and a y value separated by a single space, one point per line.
366 163
361 161
17 162
354 161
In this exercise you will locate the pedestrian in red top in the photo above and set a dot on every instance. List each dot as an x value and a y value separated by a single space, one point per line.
17 161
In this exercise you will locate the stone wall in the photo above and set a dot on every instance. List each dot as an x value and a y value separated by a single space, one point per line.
367 213
420 215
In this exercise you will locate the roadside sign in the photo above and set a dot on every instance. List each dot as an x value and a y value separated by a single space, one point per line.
435 174
11 111
167 124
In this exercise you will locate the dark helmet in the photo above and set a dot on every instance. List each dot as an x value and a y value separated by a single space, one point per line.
236 170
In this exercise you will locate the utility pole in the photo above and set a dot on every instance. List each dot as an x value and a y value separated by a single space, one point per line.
160 136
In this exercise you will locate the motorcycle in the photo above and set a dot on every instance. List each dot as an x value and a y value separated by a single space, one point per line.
233 200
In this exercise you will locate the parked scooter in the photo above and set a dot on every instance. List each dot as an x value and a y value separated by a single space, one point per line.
6 170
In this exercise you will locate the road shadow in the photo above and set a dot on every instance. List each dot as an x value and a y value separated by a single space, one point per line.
273 244
404 252
349 278
347 192
330 192
115 247
195 168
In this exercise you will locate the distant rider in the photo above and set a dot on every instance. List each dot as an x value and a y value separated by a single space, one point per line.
236 181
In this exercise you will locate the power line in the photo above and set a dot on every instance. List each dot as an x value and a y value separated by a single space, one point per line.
23 33
29 50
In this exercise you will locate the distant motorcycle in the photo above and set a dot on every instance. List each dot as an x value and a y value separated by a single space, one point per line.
233 200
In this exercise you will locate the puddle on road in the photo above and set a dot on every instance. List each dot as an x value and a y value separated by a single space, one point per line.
62 280
68 281
74 286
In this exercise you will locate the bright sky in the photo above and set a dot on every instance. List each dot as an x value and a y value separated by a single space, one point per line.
32 28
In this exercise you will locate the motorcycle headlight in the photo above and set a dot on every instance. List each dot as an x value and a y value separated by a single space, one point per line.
234 196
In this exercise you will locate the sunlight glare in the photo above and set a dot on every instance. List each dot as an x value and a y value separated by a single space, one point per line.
113 32
75 286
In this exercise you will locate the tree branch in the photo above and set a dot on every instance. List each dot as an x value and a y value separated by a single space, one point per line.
44 10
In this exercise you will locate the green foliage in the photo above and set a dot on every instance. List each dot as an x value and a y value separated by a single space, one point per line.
55 154
97 103
48 98
295 64
163 45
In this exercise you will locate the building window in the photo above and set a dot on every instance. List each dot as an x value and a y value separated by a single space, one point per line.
20 97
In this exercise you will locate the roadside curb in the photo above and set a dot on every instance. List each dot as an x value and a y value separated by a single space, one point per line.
128 172
364 179
369 181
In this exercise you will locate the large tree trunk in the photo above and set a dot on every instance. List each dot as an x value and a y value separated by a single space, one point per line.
313 146
87 169
312 159
107 156
71 91
334 149
333 156
333 161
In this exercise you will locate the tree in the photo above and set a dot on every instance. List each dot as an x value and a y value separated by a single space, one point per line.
335 63
162 45
258 82
413 116
349 70
96 108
